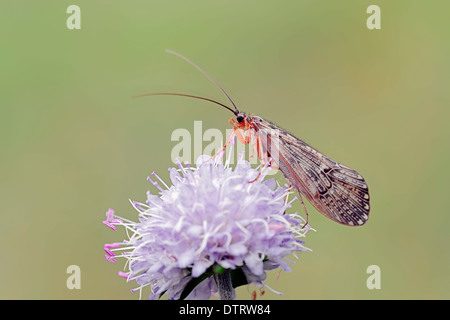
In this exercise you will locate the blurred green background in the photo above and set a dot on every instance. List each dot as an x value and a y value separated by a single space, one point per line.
74 143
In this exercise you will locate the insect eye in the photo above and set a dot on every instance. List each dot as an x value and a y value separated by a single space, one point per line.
240 119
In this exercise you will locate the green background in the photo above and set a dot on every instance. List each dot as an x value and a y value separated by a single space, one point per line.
74 142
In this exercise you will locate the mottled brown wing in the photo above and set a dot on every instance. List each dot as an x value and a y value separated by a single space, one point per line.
336 191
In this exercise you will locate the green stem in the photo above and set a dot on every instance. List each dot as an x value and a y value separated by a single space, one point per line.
225 285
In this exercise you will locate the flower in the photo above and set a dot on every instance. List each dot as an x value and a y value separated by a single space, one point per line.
212 218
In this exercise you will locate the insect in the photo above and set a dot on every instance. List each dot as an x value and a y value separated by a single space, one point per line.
335 190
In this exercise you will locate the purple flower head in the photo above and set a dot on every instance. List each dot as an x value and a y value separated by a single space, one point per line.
211 218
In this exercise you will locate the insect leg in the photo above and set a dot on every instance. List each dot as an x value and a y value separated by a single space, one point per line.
255 145
242 139
231 136
304 207
259 174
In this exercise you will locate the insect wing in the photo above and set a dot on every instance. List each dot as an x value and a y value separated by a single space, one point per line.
336 191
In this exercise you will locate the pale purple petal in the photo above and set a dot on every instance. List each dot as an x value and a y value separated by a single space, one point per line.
210 215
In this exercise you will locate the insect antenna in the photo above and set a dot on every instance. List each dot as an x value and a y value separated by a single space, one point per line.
186 95
206 75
